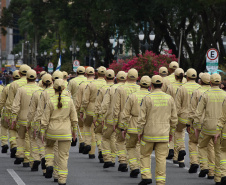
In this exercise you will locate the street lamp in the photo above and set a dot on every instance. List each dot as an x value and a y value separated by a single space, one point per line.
121 40
77 48
63 50
146 45
57 51
41 54
71 48
87 44
95 44
111 40
45 53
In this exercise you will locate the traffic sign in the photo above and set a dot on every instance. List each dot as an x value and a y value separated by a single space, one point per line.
76 64
50 67
212 56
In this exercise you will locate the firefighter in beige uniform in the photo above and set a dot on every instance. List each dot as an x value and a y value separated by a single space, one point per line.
108 137
210 103
87 108
65 77
193 141
4 125
183 102
129 119
40 81
59 123
97 121
171 90
36 146
80 85
156 124
171 78
14 86
4 136
221 132
19 114
119 100
73 88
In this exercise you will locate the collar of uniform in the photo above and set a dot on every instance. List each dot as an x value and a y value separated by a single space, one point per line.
31 83
215 87
80 76
157 90
143 89
131 82
23 77
110 82
191 81
101 78
205 85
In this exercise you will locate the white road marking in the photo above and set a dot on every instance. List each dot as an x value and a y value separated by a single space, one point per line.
16 177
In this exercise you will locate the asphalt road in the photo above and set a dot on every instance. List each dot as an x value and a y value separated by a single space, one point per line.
84 171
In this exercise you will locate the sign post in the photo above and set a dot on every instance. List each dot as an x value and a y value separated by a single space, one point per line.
50 67
76 64
212 56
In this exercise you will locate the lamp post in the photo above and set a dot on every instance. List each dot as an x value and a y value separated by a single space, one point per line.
75 53
117 48
91 52
146 46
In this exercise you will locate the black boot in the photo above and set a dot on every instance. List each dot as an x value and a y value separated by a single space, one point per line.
145 182
171 154
49 172
223 180
112 164
203 173
134 173
55 180
13 152
181 165
62 184
81 147
181 155
35 166
210 177
123 168
19 160
175 162
26 165
43 163
73 143
86 149
193 168
218 183
100 157
5 149
91 156
107 165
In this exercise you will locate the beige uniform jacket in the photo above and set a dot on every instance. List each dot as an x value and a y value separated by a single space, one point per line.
119 100
33 108
21 103
211 102
4 96
58 124
45 95
169 80
80 93
74 84
40 84
183 100
132 109
221 127
194 103
100 96
172 88
90 94
14 86
158 117
107 104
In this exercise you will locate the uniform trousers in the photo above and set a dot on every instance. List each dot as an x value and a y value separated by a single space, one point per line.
161 152
80 133
23 144
204 140
223 158
133 151
4 132
121 147
89 135
63 155
98 135
12 134
108 144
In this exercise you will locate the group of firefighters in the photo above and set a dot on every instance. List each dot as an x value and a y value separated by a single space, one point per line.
123 118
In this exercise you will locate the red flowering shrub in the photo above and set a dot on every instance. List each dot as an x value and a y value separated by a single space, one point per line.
147 64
